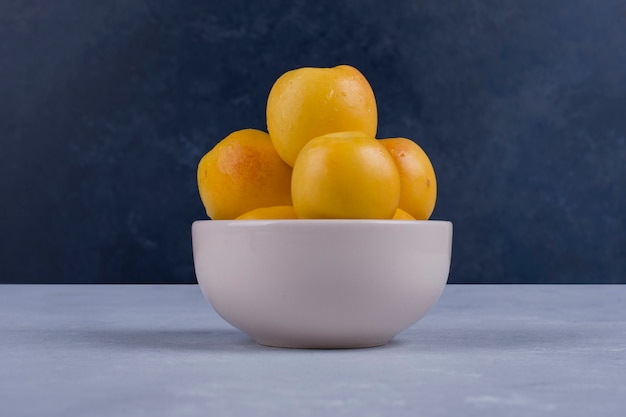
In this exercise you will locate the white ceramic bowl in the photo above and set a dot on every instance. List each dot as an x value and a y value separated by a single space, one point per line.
322 283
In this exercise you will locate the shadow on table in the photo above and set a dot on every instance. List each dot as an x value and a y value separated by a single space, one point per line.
442 340
173 339
424 339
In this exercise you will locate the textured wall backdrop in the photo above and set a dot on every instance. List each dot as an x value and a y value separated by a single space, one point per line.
106 108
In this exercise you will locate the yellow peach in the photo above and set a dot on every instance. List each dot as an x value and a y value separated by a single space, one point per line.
402 215
309 102
241 173
345 175
268 213
418 184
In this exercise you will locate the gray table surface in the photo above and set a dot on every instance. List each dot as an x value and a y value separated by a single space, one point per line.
72 350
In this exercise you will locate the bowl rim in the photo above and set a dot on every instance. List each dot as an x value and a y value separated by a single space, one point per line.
309 222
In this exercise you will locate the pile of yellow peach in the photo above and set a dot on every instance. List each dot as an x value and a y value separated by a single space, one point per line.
320 158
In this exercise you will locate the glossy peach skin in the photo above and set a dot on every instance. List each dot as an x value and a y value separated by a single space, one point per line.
270 213
345 175
418 184
309 102
402 215
241 173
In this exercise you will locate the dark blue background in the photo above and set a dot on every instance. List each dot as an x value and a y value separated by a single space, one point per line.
106 108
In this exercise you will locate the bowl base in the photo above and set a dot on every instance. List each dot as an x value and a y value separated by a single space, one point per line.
290 344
